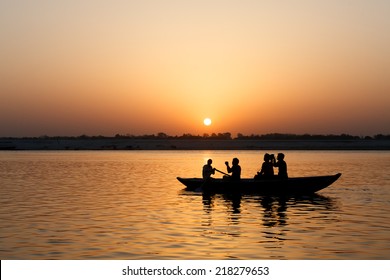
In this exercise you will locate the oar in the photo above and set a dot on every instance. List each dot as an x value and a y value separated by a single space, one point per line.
222 172
200 188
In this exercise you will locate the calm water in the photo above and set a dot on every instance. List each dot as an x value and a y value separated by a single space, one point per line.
129 205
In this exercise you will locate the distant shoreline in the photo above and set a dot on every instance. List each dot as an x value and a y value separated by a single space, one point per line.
187 144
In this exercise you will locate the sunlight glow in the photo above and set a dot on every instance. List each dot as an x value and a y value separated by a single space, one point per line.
207 122
250 67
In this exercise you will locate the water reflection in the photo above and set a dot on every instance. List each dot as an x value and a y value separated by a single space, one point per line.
232 203
271 221
274 213
275 208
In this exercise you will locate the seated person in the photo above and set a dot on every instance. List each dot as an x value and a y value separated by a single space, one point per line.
235 169
208 170
282 166
267 168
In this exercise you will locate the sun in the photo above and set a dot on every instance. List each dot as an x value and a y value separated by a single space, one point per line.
207 121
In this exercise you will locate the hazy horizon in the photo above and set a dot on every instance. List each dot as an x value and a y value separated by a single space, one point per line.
141 67
211 135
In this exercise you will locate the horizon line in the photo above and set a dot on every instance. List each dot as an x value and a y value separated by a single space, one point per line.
224 135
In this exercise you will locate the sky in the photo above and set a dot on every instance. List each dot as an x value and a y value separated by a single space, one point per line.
69 68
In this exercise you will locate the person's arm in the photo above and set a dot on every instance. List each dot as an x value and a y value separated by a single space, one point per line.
261 172
273 160
229 170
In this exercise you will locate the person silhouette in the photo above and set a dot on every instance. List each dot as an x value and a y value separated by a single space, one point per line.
235 169
208 170
267 168
282 166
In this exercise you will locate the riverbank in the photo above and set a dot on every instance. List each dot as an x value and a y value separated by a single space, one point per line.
187 144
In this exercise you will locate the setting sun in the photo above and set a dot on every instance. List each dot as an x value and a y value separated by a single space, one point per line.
207 121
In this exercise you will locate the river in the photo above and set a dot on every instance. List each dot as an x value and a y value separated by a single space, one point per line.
129 205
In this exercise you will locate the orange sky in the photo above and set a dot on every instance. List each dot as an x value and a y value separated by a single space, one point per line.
143 67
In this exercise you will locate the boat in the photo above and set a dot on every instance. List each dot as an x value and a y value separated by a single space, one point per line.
294 185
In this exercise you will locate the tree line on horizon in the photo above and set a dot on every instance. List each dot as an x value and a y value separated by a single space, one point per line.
223 136
269 136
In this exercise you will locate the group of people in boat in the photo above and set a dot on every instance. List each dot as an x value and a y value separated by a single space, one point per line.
266 171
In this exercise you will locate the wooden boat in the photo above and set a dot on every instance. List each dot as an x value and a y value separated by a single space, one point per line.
297 185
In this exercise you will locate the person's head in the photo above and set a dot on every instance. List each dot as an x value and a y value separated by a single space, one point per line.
266 157
235 161
209 161
280 156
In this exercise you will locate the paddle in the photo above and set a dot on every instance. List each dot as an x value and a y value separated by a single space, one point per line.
200 188
222 172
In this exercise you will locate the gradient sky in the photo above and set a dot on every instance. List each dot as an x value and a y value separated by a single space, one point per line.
143 67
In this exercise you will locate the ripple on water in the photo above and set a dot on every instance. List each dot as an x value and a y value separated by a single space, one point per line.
128 205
